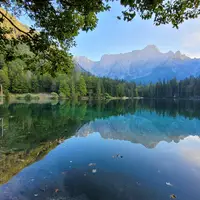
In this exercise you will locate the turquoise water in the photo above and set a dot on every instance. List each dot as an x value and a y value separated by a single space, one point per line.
129 150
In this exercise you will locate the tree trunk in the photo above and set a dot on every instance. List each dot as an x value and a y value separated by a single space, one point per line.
1 88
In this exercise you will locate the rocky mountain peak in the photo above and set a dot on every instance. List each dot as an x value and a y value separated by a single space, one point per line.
180 56
145 65
151 48
84 62
82 59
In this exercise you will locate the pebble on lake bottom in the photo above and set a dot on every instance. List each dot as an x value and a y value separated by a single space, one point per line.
138 183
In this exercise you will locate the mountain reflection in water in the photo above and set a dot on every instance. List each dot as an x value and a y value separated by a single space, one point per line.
119 150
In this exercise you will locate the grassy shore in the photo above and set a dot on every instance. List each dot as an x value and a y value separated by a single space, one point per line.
49 96
54 98
32 97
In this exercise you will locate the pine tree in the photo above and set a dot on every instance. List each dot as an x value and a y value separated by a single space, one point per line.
82 86
34 84
73 89
99 89
136 92
4 80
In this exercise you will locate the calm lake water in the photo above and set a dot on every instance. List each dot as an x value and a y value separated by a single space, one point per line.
120 150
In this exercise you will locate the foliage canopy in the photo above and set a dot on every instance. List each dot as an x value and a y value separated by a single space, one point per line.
57 22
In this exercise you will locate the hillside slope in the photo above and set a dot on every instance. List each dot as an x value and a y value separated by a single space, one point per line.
6 24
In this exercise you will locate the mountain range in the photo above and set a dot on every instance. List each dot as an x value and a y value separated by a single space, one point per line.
146 65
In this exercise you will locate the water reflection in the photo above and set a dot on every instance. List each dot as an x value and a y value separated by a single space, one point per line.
158 140
143 127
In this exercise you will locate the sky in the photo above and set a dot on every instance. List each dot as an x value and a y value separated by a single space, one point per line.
113 36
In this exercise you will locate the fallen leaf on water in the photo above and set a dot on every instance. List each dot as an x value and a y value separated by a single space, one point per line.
42 189
169 184
117 156
94 171
91 164
56 190
172 196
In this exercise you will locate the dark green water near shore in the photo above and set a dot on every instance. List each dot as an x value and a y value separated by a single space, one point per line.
144 150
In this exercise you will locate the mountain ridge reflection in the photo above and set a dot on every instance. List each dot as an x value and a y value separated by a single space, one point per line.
46 150
145 128
50 122
32 130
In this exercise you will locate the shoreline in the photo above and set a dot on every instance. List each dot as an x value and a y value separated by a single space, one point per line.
53 97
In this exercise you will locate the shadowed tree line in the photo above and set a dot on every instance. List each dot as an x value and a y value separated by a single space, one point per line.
187 88
55 24
28 125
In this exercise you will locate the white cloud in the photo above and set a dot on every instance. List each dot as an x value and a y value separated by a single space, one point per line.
190 38
190 149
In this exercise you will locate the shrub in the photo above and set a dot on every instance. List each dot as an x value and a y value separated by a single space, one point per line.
28 97
19 97
62 96
54 95
35 97
107 96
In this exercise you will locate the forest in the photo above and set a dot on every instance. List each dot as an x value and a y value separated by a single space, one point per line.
37 59
16 77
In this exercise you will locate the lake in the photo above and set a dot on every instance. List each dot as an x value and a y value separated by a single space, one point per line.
119 150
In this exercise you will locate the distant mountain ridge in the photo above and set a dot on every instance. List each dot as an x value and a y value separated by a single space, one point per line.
146 65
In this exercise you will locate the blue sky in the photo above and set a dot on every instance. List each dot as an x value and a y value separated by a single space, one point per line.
114 36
